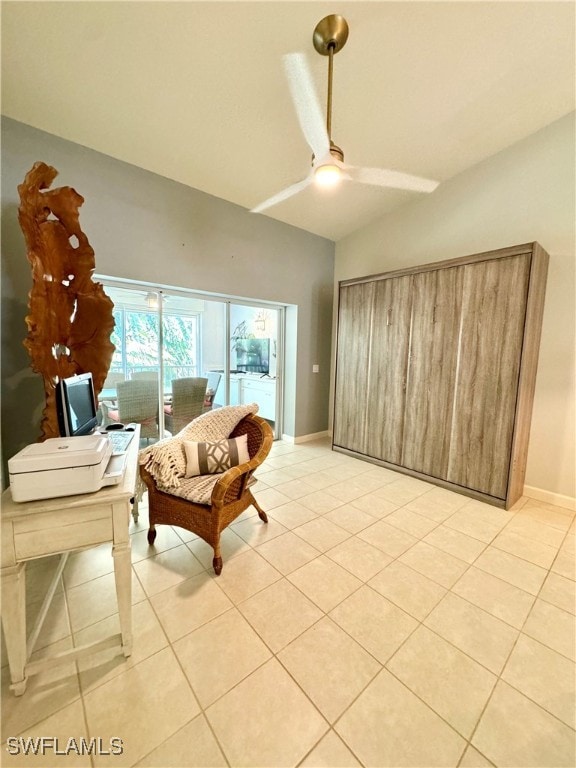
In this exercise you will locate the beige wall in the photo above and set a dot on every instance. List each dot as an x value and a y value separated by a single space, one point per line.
522 194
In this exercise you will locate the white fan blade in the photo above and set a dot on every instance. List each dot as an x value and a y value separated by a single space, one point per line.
381 177
307 105
284 195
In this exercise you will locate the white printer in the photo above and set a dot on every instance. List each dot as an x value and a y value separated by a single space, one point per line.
63 466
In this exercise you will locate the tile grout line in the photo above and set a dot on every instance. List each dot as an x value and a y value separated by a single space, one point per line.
325 614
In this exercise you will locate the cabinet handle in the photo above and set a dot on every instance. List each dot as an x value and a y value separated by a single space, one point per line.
434 313
389 316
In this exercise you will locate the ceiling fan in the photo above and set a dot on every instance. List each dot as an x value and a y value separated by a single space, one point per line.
328 167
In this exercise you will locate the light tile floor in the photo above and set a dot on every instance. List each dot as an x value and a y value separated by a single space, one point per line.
375 621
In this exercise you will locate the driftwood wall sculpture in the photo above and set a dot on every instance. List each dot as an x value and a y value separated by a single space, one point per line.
70 319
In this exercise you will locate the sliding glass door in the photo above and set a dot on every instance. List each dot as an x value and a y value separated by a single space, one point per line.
254 367
181 341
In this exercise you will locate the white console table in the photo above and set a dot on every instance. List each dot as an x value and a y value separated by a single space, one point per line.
36 529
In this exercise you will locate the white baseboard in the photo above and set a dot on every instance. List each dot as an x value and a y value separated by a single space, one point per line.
558 499
538 494
305 438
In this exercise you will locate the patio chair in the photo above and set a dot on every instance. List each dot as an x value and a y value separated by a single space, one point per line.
231 494
187 403
112 379
137 401
107 396
144 375
211 389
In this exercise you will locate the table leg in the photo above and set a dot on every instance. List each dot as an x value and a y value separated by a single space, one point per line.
135 510
123 578
139 492
14 623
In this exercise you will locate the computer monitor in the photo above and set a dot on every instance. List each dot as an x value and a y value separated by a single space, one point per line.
76 405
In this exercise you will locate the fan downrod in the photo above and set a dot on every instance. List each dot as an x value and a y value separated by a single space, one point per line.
330 34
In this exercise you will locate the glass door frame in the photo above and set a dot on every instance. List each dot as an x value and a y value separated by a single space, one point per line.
280 337
165 291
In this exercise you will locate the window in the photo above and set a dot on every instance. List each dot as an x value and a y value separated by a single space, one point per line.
136 338
170 334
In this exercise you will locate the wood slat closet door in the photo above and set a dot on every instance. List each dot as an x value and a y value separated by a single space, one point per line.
436 306
490 353
388 368
352 366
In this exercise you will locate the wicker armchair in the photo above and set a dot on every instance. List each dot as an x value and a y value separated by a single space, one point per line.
187 403
230 497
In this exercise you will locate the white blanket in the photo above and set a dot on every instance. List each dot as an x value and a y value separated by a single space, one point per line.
166 460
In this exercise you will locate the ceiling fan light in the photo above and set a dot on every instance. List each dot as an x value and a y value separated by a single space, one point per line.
327 175
151 300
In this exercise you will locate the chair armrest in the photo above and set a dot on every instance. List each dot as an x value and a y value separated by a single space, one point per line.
232 483
147 479
229 487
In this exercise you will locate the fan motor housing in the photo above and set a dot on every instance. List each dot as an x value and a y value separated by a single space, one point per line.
336 152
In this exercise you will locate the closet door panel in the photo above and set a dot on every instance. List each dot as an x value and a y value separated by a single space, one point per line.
352 366
388 368
436 306
492 329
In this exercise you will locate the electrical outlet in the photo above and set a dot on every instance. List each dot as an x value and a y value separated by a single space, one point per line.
315 368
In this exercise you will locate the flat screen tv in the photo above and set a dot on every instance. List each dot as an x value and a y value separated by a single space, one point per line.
76 405
253 355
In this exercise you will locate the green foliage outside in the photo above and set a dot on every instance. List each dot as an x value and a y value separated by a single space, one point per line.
140 353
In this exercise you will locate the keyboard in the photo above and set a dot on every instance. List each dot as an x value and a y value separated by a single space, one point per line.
120 442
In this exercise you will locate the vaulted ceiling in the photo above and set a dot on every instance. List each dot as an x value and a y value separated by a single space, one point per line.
195 91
